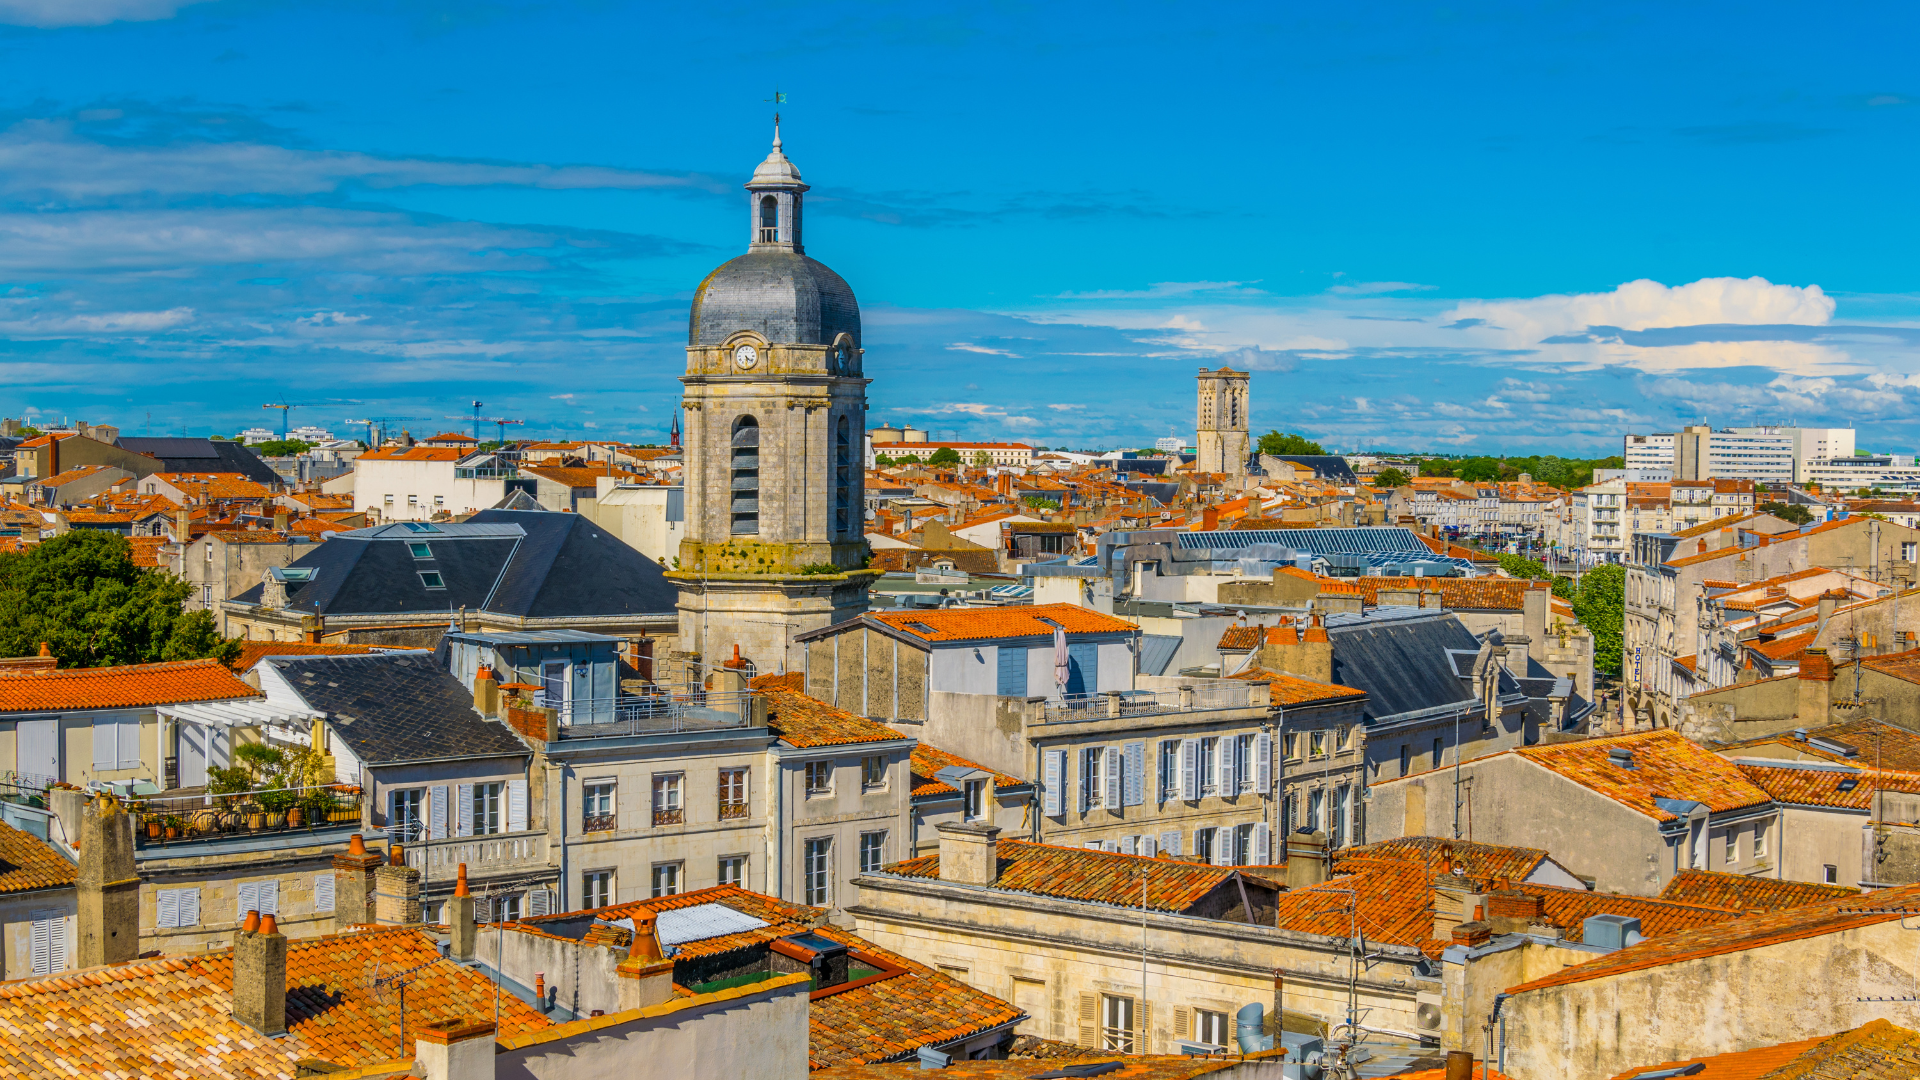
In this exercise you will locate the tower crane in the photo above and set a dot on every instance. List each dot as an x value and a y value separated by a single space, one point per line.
286 411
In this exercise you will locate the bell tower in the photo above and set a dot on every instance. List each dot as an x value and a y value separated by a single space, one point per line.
1221 427
775 404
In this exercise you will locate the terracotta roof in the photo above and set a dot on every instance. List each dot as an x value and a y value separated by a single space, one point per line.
1666 765
1877 744
1392 899
1144 1067
580 477
795 681
1743 893
1294 690
881 1021
1876 1050
799 720
220 485
928 760
252 651
1479 1073
1491 862
1242 638
28 862
1838 788
1102 877
1715 525
1569 910
980 624
415 453
900 560
1736 935
1785 648
131 686
146 550
1903 666
452 436
171 1018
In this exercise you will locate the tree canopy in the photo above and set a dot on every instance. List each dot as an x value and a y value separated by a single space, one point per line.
945 455
1794 512
81 593
282 447
1544 468
1389 478
1277 444
1600 605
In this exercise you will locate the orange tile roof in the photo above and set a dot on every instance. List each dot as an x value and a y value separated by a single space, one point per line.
1836 788
1785 648
1489 862
78 472
1715 525
1242 638
218 485
1666 765
1103 877
1903 666
1737 935
252 651
28 862
1392 899
983 624
415 453
880 1021
146 550
799 720
452 436
1741 892
928 760
1480 1072
1294 690
1877 744
129 687
172 1017
1876 1050
1481 593
578 476
1569 910
1138 1067
795 681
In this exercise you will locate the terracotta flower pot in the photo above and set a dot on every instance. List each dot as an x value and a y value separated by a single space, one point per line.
256 821
173 833
153 830
295 818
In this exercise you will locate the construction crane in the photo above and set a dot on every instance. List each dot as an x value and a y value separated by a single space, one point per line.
502 423
374 424
476 420
286 412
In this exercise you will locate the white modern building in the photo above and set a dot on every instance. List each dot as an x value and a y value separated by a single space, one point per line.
1654 452
1770 454
1879 472
399 483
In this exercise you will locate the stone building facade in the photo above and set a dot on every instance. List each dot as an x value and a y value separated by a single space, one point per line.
1221 435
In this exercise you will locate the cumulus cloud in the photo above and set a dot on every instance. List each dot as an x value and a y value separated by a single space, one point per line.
52 13
1371 288
1642 304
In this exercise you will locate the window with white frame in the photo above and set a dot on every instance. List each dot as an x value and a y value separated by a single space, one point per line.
1116 1023
1760 840
1209 764
1243 762
596 807
819 778
1203 844
1092 777
406 809
873 773
1210 1027
873 849
817 871
596 888
1169 769
733 870
666 878
486 809
667 791
973 800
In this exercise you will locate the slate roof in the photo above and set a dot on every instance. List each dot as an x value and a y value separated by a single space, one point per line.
521 563
1071 873
130 686
1876 1050
169 1018
1329 467
1403 664
204 456
28 862
1743 893
802 721
394 707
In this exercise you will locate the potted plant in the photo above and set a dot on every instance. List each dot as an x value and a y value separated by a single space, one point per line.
153 828
173 827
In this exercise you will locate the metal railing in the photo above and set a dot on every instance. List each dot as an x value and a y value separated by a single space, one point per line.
488 854
732 811
670 816
189 817
599 823
1145 702
668 710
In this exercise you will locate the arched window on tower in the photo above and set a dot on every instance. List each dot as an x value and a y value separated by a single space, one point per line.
769 220
843 476
745 475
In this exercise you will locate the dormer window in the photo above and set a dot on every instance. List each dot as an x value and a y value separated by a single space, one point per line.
769 219
420 551
432 580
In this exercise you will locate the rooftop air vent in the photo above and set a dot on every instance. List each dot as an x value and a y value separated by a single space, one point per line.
1620 757
1849 783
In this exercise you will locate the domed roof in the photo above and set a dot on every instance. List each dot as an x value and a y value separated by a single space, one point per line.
782 295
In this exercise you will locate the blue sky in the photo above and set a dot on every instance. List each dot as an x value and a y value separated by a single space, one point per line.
1527 227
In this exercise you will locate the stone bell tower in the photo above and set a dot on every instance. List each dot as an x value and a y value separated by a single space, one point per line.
1221 435
775 408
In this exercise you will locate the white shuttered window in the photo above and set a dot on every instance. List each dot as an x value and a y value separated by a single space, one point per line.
49 941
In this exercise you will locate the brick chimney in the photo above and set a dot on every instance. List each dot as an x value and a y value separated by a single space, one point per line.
397 892
1306 859
1210 518
1307 652
460 1049
968 852
486 692
462 935
260 975
108 888
1511 911
353 884
646 975
1816 687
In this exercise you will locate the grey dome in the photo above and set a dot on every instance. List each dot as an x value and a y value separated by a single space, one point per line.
782 295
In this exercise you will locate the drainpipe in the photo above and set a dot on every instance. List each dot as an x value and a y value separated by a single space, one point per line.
779 888
1499 1000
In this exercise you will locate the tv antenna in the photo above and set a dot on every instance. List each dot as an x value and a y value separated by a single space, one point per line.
388 984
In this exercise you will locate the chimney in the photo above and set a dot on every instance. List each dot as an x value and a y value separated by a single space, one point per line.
486 692
1473 934
1210 518
461 934
1316 652
969 852
260 975
397 891
646 975
353 884
1460 1065
461 1049
1816 687
1511 911
108 889
1827 604
280 519
1306 859
182 526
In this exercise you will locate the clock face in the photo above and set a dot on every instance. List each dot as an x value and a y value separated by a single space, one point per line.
745 357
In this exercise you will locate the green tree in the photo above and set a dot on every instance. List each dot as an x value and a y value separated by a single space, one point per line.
81 594
1391 478
1436 467
1036 502
907 459
282 447
982 459
1521 567
1794 512
1276 443
883 461
1600 604
946 455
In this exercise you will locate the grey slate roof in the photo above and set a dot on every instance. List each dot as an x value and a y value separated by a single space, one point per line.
1329 467
525 564
394 707
204 456
781 295
1407 660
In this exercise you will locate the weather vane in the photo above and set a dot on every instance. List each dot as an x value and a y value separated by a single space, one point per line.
777 99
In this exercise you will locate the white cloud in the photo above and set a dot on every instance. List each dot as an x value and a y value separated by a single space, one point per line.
118 322
961 346
1371 288
1643 304
51 13
1161 289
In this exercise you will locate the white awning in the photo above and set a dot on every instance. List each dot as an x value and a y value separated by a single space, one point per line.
246 712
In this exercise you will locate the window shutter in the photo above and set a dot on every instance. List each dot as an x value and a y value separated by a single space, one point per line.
437 812
517 805
248 900
190 907
1143 1027
539 902
1170 843
129 743
1222 847
1111 847
1113 773
1135 793
1224 752
1263 764
1189 770
1129 845
106 744
166 909
270 898
1262 845
1089 1019
1182 1021
323 893
463 812
1169 779
1053 775
1146 846
1012 671
49 942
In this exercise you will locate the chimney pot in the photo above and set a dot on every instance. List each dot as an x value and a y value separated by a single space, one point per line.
460 882
252 925
268 925
356 844
1460 1065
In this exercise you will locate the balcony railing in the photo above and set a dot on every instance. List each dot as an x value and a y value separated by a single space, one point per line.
1144 702
599 823
673 816
732 811
190 816
667 710
495 853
